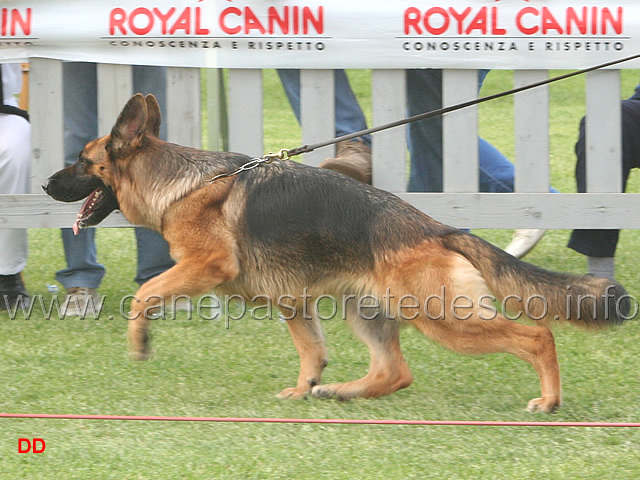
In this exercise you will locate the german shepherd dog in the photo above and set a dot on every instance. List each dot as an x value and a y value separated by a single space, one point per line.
284 228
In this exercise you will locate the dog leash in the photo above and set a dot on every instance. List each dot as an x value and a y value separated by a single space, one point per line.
285 154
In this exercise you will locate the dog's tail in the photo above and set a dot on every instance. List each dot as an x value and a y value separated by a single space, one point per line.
586 301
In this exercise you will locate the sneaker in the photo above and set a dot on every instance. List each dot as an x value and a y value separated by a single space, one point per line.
13 292
76 302
523 241
353 158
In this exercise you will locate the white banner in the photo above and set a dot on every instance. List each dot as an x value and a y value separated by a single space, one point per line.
512 34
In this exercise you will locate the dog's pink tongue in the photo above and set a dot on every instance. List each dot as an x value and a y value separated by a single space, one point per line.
86 205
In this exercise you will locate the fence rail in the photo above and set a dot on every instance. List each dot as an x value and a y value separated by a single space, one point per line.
531 206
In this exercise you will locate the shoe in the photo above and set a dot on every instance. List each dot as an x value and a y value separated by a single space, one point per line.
76 302
13 292
523 241
353 158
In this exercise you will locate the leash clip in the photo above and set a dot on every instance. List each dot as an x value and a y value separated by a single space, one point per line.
283 154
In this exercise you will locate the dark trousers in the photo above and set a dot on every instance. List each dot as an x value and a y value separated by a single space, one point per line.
602 243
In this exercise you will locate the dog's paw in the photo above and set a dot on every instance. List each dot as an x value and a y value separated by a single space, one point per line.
140 355
293 393
337 391
543 405
323 391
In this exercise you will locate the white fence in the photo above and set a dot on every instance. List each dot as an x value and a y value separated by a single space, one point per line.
531 206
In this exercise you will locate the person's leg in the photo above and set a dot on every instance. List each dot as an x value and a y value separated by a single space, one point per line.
349 116
80 127
600 245
353 157
424 91
15 157
153 255
290 79
148 79
497 173
80 254
153 250
424 138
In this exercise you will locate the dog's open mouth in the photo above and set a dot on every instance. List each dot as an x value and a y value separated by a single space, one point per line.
100 203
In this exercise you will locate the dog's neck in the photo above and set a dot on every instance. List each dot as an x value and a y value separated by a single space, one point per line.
177 172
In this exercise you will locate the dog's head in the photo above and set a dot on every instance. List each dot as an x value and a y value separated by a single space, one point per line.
95 175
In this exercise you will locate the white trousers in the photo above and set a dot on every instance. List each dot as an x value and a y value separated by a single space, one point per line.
15 155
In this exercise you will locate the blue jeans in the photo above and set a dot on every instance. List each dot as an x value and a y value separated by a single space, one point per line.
424 139
80 127
349 116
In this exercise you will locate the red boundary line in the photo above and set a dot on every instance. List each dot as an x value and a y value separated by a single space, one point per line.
319 420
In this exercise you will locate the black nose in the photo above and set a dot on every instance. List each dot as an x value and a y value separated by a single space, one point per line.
45 186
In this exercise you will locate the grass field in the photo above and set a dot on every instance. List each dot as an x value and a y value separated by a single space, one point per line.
203 368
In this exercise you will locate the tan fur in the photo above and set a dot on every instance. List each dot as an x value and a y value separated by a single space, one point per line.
421 273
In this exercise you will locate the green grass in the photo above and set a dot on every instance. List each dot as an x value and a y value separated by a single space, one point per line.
201 368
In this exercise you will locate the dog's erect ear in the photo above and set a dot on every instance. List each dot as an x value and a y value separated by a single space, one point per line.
128 132
154 117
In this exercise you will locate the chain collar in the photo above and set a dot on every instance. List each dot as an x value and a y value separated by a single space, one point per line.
253 163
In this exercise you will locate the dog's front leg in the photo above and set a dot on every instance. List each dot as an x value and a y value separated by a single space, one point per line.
185 279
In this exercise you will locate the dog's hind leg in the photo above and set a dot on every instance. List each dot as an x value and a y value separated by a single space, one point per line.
309 342
533 344
388 370
466 323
